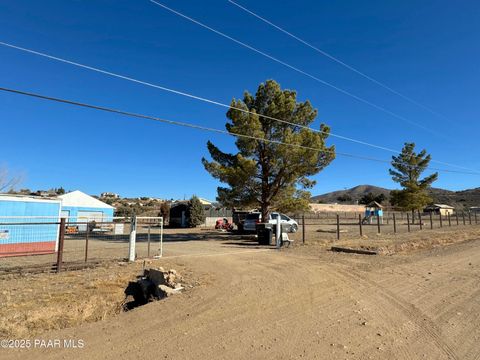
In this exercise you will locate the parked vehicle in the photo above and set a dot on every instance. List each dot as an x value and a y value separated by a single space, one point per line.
238 217
252 219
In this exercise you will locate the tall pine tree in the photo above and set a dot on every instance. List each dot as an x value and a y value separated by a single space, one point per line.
267 174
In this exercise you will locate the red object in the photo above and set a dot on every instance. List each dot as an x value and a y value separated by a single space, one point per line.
22 249
223 224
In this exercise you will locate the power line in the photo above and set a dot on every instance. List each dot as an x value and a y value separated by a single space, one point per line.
338 61
160 87
205 128
199 98
343 91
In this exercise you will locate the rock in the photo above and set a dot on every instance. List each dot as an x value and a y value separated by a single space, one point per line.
166 290
170 280
156 276
364 323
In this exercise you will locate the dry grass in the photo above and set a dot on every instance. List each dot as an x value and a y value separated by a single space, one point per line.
36 303
388 243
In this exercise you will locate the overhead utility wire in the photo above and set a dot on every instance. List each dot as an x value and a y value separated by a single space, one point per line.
337 60
116 75
343 91
207 100
191 95
205 128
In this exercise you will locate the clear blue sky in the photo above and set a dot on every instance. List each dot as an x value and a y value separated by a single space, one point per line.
428 50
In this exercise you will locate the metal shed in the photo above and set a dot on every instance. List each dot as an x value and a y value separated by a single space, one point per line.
440 209
80 207
28 225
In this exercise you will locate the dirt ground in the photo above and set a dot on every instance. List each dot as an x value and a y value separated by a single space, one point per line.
250 302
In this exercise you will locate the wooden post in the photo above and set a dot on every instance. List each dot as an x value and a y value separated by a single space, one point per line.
463 216
431 220
475 213
61 239
86 244
303 228
456 216
394 224
378 223
360 224
470 217
148 242
441 223
408 222
420 220
338 227
449 220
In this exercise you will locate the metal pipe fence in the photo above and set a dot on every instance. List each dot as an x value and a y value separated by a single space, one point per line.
50 244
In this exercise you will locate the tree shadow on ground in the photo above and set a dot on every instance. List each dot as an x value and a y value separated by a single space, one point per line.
179 237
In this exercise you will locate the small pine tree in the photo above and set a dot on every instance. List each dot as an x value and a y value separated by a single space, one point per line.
195 213
407 169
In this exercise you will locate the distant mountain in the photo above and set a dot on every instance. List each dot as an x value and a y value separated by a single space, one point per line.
354 194
458 199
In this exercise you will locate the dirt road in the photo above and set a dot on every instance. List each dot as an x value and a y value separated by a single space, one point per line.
282 305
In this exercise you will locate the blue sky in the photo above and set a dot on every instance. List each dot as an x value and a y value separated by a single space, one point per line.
427 50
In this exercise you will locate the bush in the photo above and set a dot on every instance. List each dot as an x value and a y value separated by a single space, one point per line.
195 213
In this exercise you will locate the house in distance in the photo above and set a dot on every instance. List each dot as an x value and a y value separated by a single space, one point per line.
440 209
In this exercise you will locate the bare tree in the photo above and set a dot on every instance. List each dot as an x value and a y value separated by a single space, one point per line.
7 181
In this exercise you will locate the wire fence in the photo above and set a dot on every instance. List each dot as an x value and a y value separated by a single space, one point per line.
52 244
336 226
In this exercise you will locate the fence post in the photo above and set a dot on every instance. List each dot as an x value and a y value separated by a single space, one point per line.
408 222
463 216
420 220
278 232
61 240
431 220
148 242
161 236
378 223
86 243
394 224
338 227
441 223
475 213
303 228
360 224
470 217
133 239
456 217
449 220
